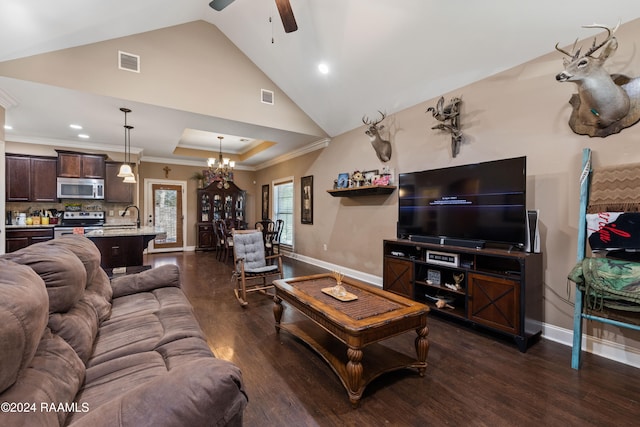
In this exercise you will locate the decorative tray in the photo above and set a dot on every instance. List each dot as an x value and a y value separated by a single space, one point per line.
346 297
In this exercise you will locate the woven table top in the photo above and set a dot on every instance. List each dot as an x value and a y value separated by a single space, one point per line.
367 304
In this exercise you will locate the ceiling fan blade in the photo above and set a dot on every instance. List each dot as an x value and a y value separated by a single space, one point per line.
220 4
286 14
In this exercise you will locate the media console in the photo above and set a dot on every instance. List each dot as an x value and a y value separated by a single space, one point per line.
497 289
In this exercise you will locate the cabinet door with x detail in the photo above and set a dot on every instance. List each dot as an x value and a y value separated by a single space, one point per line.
494 302
398 276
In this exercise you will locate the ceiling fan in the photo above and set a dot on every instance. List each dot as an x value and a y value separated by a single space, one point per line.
284 8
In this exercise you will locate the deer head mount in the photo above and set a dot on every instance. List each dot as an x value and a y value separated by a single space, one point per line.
382 147
605 104
449 115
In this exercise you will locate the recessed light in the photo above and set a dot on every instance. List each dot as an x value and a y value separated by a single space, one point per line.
83 136
8 127
72 126
323 68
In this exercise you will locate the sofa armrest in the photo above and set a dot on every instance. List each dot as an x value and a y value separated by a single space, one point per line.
148 280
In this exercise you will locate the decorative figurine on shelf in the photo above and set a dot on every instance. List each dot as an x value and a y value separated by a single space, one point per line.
605 103
358 178
381 146
449 115
458 278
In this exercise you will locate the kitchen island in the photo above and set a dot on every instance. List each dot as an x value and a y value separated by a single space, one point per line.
124 246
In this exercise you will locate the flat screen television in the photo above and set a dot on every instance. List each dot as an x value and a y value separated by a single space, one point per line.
482 202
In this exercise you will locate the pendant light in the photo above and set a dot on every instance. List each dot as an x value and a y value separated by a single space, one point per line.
125 169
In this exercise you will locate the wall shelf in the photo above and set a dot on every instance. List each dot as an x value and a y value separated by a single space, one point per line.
369 190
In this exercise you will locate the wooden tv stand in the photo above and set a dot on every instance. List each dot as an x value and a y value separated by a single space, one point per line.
501 290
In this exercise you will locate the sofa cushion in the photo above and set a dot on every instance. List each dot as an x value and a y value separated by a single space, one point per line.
142 322
62 271
53 379
98 288
24 306
78 327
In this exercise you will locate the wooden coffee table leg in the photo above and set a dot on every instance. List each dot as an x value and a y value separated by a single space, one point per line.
277 311
354 375
422 348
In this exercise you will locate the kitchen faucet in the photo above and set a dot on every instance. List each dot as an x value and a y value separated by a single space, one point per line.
137 210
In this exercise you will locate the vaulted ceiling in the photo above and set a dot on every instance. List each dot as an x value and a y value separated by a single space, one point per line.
381 55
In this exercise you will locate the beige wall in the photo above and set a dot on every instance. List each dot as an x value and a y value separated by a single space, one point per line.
243 179
522 111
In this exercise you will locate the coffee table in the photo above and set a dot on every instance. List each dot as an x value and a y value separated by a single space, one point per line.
339 330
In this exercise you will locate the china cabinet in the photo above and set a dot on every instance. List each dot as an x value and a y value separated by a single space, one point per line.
215 204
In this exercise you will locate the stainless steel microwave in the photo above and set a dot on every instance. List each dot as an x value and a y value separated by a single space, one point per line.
80 188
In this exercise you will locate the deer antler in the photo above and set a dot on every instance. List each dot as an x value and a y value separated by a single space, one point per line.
594 46
610 32
368 122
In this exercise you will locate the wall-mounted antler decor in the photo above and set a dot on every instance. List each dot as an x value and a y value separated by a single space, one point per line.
605 104
449 115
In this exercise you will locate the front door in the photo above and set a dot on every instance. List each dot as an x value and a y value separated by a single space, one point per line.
166 212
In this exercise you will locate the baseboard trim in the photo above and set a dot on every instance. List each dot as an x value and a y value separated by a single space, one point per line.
590 344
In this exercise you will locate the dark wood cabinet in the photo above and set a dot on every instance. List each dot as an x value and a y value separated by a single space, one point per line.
206 236
120 251
23 237
216 203
493 288
30 178
81 165
43 179
18 178
116 190
398 276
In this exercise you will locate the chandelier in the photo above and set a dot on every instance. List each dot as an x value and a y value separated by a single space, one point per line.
222 170
125 169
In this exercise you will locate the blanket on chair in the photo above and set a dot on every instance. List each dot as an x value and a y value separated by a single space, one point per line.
608 283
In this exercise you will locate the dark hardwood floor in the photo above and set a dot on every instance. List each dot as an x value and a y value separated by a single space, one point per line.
473 379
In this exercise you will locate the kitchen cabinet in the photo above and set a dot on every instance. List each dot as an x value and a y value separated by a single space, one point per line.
30 178
116 190
81 165
22 237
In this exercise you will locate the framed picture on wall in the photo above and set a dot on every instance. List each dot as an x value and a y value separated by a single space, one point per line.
265 201
306 209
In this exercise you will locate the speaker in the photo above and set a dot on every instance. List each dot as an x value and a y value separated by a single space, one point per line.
465 243
533 233
427 239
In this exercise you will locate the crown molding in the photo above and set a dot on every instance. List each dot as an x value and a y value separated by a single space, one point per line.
314 146
7 101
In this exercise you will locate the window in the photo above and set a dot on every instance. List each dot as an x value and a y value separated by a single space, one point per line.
283 209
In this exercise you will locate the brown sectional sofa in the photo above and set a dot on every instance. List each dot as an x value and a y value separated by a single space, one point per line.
78 349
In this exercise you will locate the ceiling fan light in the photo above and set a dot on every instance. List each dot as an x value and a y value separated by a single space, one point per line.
125 170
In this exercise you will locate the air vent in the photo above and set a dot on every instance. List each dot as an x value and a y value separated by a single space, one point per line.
267 96
128 61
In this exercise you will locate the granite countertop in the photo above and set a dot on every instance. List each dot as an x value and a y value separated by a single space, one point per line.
15 226
111 231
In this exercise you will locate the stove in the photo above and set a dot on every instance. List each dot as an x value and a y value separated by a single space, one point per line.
82 218
79 222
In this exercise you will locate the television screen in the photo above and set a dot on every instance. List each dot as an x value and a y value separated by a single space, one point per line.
482 201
